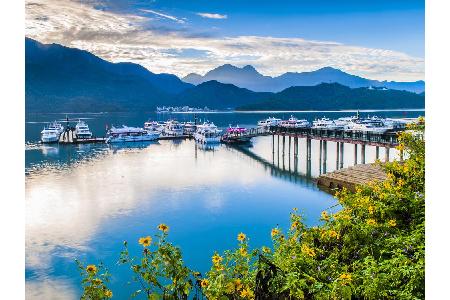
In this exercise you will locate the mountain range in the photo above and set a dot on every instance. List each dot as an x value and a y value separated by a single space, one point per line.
62 79
248 77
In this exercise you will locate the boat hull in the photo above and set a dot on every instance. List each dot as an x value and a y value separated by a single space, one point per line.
131 139
206 140
49 140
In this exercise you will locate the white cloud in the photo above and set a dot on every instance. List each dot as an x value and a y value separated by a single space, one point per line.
212 16
166 16
124 37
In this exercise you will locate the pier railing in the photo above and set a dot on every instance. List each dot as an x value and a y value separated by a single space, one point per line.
389 139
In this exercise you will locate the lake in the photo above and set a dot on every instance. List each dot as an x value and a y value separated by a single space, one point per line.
83 201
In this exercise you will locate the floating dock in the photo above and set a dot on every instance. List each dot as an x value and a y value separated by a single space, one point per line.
351 177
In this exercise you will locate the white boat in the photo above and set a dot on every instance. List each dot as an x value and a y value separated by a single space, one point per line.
153 126
367 125
130 134
82 130
325 123
173 128
50 135
269 122
293 122
343 121
207 133
189 128
56 125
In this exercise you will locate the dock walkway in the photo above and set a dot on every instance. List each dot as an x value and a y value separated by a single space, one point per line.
352 176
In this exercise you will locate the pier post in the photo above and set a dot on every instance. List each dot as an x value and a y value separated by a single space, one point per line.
273 143
289 150
386 154
363 154
341 153
308 149
284 142
320 156
356 154
298 148
377 152
324 156
337 155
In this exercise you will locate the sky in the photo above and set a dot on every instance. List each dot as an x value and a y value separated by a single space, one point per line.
376 39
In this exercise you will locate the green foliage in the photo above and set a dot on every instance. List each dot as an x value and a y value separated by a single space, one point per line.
373 248
160 271
93 281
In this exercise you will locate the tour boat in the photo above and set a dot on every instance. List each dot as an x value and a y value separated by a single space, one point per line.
56 125
50 135
236 135
152 126
269 122
293 122
173 128
207 133
325 123
130 134
367 125
82 130
189 128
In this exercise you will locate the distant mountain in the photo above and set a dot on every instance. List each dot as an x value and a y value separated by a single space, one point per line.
328 96
248 77
59 78
219 96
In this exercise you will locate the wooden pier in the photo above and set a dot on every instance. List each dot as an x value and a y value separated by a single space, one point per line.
351 177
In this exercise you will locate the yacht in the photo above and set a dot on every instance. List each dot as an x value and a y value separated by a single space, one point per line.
56 125
269 122
236 135
367 125
207 133
295 123
130 134
50 135
343 121
82 130
153 126
189 128
325 123
173 128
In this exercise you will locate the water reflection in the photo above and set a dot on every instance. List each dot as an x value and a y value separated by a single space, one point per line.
88 208
52 151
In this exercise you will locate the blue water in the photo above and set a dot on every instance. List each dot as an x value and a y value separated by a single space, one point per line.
84 201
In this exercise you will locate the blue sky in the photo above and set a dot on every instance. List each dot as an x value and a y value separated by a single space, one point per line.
182 36
394 25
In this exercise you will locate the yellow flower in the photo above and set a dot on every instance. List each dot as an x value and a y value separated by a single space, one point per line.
204 283
275 232
371 222
238 284
108 294
145 241
295 225
308 251
91 269
241 237
163 227
219 267
345 278
325 216
333 234
371 209
216 259
266 249
392 223
243 251
247 293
